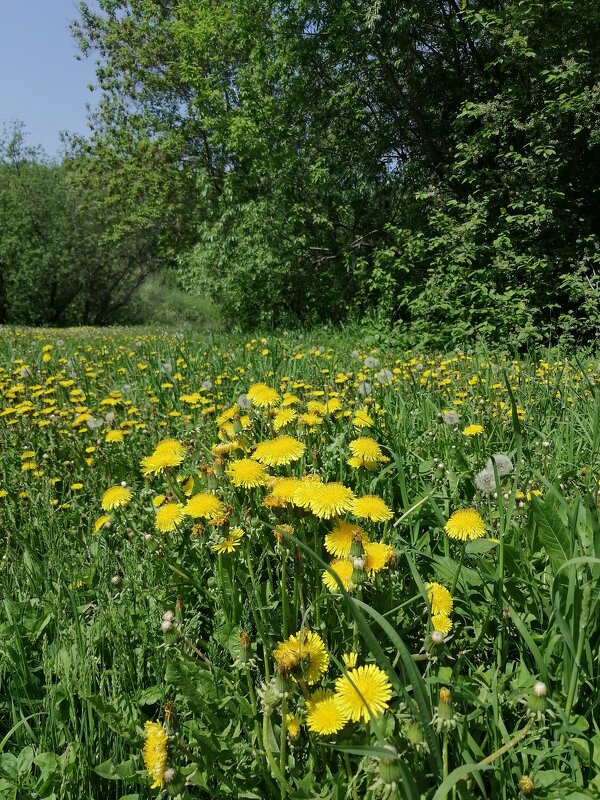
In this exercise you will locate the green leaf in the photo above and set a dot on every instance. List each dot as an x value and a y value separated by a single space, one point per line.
553 533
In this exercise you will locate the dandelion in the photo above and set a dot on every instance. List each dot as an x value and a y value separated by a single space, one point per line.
230 542
350 660
485 481
169 516
280 451
440 598
168 453
371 695
441 623
115 497
473 430
504 465
155 753
450 418
263 396
339 541
292 723
330 500
384 377
465 524
326 717
371 507
101 522
365 452
246 473
284 489
378 556
114 436
204 506
283 417
344 569
303 654
362 419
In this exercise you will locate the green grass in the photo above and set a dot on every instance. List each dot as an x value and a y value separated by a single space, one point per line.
84 662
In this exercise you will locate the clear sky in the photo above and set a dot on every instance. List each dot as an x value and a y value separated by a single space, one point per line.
41 82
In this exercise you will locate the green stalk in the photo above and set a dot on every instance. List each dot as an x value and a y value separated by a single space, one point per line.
583 621
275 771
458 571
283 743
285 606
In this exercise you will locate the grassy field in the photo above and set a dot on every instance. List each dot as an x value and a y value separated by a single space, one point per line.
296 568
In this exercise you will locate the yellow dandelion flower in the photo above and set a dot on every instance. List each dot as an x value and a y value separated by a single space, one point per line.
441 623
280 451
155 753
362 419
343 569
283 417
114 436
284 489
230 542
305 491
339 541
327 717
115 497
439 598
473 430
160 460
204 505
366 449
378 556
101 522
350 660
318 696
304 655
331 500
158 500
292 723
372 697
310 420
169 516
465 524
371 507
263 396
246 473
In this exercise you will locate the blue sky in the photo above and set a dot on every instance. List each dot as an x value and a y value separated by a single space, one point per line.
41 82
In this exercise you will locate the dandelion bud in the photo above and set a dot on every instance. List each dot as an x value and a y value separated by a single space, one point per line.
444 715
414 734
358 571
435 642
356 548
526 785
390 771
281 681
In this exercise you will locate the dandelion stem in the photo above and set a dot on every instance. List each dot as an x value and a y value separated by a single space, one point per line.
583 621
285 606
458 570
275 771
283 742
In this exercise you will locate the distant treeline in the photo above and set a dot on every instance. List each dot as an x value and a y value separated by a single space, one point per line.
434 163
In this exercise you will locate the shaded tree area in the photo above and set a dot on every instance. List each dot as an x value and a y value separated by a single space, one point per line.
433 162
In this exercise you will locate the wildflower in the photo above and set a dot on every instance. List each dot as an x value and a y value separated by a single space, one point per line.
169 516
378 556
262 396
473 430
114 436
155 753
450 418
326 717
304 654
330 500
115 497
246 473
168 453
384 377
441 623
374 692
443 718
305 491
465 524
485 481
440 598
526 785
350 660
504 465
343 568
362 419
292 723
204 505
339 541
101 522
283 489
365 453
230 542
283 417
280 451
371 507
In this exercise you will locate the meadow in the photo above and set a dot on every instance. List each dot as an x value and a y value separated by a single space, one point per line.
302 566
